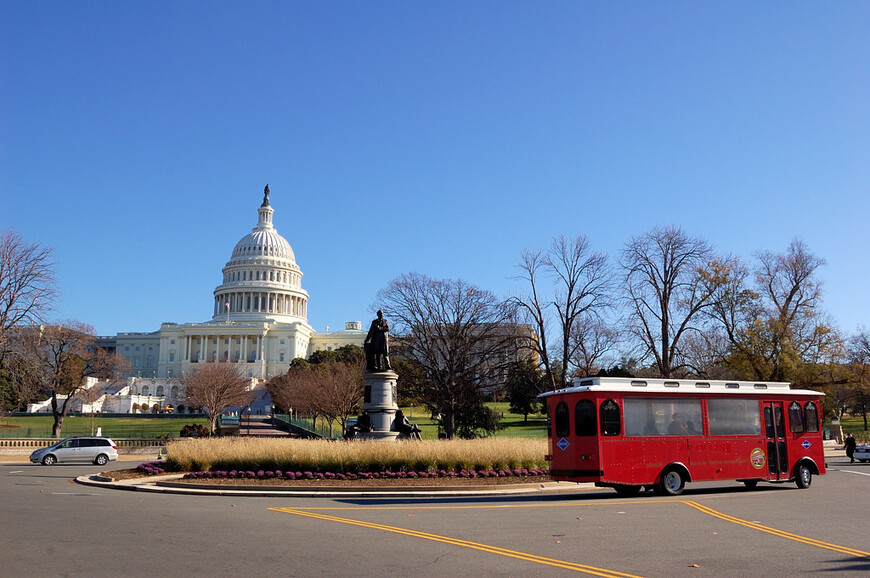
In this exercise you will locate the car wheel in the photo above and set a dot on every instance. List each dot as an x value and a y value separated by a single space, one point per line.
101 460
627 491
49 460
673 482
804 477
750 483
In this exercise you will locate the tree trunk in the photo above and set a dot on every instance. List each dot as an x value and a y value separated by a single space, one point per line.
58 414
57 426
212 423
449 424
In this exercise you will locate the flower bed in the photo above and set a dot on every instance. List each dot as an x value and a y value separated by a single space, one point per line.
151 468
382 475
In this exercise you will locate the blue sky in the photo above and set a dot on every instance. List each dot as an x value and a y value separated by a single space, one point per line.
438 137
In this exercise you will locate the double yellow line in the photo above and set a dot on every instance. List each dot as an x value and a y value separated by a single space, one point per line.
464 543
775 532
592 570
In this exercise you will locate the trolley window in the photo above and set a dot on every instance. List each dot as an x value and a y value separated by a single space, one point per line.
584 418
654 416
563 425
795 418
610 421
812 417
733 417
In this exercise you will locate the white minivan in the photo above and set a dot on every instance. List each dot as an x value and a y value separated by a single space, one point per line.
97 450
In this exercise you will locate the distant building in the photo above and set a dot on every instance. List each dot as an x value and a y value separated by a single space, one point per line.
259 319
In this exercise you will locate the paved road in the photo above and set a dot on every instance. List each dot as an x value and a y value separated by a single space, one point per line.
50 526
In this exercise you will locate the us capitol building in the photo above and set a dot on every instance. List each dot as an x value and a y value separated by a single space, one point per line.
259 319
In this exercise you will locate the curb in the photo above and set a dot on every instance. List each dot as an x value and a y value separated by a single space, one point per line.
165 485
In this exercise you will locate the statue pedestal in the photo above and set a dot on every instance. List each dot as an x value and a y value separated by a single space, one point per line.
379 402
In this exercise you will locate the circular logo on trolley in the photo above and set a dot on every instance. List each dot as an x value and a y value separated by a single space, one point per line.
756 458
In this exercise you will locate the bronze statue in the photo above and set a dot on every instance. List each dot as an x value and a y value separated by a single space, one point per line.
377 345
266 196
363 424
404 426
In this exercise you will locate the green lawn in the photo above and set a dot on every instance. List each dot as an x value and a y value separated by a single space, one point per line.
855 426
119 427
513 425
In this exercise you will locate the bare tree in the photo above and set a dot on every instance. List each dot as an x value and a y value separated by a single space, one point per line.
335 390
462 336
591 342
665 290
55 359
534 308
330 387
288 390
27 284
582 284
216 387
772 318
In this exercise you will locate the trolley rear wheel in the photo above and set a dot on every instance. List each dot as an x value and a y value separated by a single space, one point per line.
673 482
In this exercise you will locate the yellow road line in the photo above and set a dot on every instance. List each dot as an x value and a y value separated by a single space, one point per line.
592 570
701 508
775 532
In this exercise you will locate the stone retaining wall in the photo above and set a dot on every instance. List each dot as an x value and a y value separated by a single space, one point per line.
24 446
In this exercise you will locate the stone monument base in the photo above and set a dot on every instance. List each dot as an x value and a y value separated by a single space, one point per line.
379 402
380 436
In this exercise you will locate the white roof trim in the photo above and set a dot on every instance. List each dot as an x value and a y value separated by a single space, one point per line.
680 386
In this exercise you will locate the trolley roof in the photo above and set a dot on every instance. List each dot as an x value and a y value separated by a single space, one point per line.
680 386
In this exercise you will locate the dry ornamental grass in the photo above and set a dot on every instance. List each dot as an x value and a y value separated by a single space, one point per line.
355 456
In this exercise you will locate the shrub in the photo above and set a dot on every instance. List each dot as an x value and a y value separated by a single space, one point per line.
194 430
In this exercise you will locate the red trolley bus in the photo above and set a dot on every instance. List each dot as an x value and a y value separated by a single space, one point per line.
656 433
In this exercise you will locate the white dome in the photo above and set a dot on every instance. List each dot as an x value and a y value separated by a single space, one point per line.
261 281
263 243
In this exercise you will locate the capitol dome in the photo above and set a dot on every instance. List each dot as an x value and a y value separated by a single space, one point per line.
261 281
